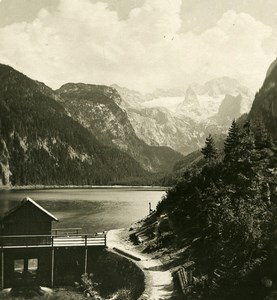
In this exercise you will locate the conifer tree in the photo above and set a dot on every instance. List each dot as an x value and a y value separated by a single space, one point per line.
247 140
209 151
246 155
232 142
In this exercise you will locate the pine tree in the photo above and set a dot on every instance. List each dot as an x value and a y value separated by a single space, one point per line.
209 151
246 154
247 141
232 142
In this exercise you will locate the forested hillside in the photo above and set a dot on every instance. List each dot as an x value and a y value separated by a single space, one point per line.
222 216
41 144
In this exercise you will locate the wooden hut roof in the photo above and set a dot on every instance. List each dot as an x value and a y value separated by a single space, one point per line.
29 200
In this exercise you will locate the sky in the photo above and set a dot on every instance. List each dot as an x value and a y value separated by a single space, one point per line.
139 44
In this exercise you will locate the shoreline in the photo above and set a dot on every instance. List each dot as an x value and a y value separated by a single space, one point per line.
158 281
92 187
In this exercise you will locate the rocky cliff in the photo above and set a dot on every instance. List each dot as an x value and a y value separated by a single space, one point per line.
97 109
264 107
180 118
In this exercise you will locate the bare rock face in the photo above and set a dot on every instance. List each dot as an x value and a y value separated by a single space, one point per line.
158 126
265 103
271 68
190 97
182 118
190 107
5 172
103 112
229 109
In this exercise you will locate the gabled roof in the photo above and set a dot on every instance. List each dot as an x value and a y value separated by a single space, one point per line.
23 202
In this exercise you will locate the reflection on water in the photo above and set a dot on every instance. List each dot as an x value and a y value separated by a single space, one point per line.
94 210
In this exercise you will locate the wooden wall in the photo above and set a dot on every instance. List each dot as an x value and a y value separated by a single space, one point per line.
69 264
27 220
43 276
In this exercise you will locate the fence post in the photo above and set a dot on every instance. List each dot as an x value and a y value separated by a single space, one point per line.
2 268
52 261
86 253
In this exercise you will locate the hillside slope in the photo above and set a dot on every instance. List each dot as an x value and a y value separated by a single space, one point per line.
96 108
220 216
41 144
264 107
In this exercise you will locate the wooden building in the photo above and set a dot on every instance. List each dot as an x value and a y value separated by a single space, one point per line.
27 218
31 254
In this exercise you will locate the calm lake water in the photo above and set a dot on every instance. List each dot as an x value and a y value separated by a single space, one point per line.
94 210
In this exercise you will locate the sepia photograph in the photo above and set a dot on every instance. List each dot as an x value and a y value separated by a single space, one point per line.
138 149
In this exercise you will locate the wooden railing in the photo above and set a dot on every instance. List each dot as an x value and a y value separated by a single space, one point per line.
66 231
25 240
29 241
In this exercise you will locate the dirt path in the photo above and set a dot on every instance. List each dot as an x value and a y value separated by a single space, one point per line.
158 281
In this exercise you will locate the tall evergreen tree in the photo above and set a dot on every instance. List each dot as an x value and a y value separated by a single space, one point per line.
209 151
232 142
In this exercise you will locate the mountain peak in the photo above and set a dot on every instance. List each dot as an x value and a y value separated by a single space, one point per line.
6 71
75 86
264 107
271 68
190 97
4 67
90 91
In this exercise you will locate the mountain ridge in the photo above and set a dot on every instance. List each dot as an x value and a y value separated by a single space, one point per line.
41 144
182 122
265 106
98 109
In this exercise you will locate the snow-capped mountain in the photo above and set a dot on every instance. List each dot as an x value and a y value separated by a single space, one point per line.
182 118
203 102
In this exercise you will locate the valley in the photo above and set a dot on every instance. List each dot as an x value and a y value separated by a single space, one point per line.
94 129
182 118
220 216
149 129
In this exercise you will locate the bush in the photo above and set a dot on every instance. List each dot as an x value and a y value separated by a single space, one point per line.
124 294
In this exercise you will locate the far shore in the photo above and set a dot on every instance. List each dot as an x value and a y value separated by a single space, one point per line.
47 187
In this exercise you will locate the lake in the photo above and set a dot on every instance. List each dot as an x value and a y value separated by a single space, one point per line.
93 210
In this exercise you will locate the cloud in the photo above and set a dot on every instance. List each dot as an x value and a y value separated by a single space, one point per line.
87 42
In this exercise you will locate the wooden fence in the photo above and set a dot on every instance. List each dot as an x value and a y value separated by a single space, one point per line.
28 241
185 277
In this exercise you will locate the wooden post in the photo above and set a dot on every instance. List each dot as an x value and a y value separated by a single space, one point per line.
86 254
150 209
52 262
2 269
